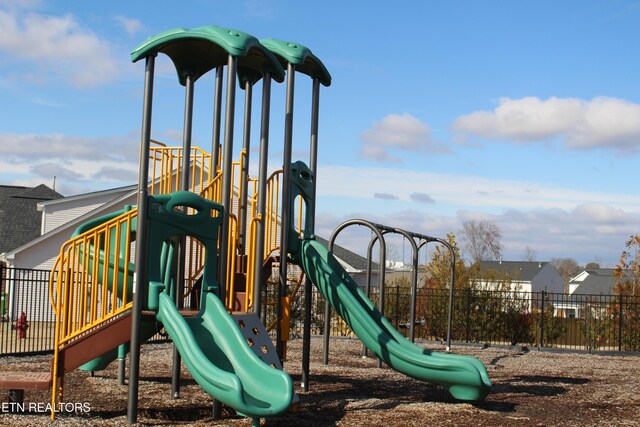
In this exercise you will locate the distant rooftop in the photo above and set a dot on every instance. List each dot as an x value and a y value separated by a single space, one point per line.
518 270
19 218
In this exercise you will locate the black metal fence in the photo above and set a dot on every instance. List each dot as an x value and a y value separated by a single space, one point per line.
546 320
27 316
540 319
28 320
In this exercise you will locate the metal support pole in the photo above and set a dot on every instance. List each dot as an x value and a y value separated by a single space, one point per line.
414 282
217 118
452 282
262 190
227 160
186 133
184 186
375 228
451 291
285 215
140 284
313 165
620 326
122 363
244 172
542 320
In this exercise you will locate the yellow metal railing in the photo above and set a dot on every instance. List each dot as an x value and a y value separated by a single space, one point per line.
91 283
165 169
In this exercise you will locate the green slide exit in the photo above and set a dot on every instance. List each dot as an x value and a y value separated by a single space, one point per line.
222 363
465 377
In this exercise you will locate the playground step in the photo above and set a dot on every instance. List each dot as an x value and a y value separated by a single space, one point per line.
17 382
94 343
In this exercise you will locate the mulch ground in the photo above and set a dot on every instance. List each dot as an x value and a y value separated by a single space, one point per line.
529 389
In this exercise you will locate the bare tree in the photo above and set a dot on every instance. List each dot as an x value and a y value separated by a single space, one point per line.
481 240
566 267
529 254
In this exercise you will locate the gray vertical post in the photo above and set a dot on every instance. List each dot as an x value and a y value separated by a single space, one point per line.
375 229
468 314
620 326
414 292
186 133
227 159
122 359
451 292
184 186
244 173
285 216
414 282
542 320
381 277
140 285
217 115
262 190
313 160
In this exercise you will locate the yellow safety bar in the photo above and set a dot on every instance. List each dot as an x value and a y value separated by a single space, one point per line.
91 282
166 169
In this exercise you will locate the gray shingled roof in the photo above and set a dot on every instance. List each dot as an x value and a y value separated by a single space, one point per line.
354 260
517 270
600 281
19 218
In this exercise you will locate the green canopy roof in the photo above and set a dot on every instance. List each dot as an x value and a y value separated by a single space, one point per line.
196 51
300 56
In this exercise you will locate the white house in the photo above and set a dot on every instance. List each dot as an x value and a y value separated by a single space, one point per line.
525 276
60 218
595 281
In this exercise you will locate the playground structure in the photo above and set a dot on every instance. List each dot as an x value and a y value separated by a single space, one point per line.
205 236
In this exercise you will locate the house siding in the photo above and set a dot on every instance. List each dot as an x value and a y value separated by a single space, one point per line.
55 215
548 279
43 254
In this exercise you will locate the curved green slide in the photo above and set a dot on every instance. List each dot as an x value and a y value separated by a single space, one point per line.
218 357
465 377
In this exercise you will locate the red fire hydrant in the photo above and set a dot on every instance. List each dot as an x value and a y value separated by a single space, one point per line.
22 325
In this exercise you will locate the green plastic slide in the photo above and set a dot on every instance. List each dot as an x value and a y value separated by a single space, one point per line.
218 357
465 377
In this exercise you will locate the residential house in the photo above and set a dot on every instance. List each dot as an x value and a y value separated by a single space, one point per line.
353 264
58 219
524 276
591 287
20 221
594 281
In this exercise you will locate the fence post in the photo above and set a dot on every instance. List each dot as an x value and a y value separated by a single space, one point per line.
468 314
542 319
397 306
620 325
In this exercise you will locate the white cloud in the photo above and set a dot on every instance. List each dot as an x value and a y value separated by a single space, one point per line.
398 132
58 44
79 164
460 190
385 196
20 4
130 25
48 170
586 233
421 197
602 122
25 148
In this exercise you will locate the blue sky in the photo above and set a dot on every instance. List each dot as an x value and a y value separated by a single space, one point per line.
524 114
